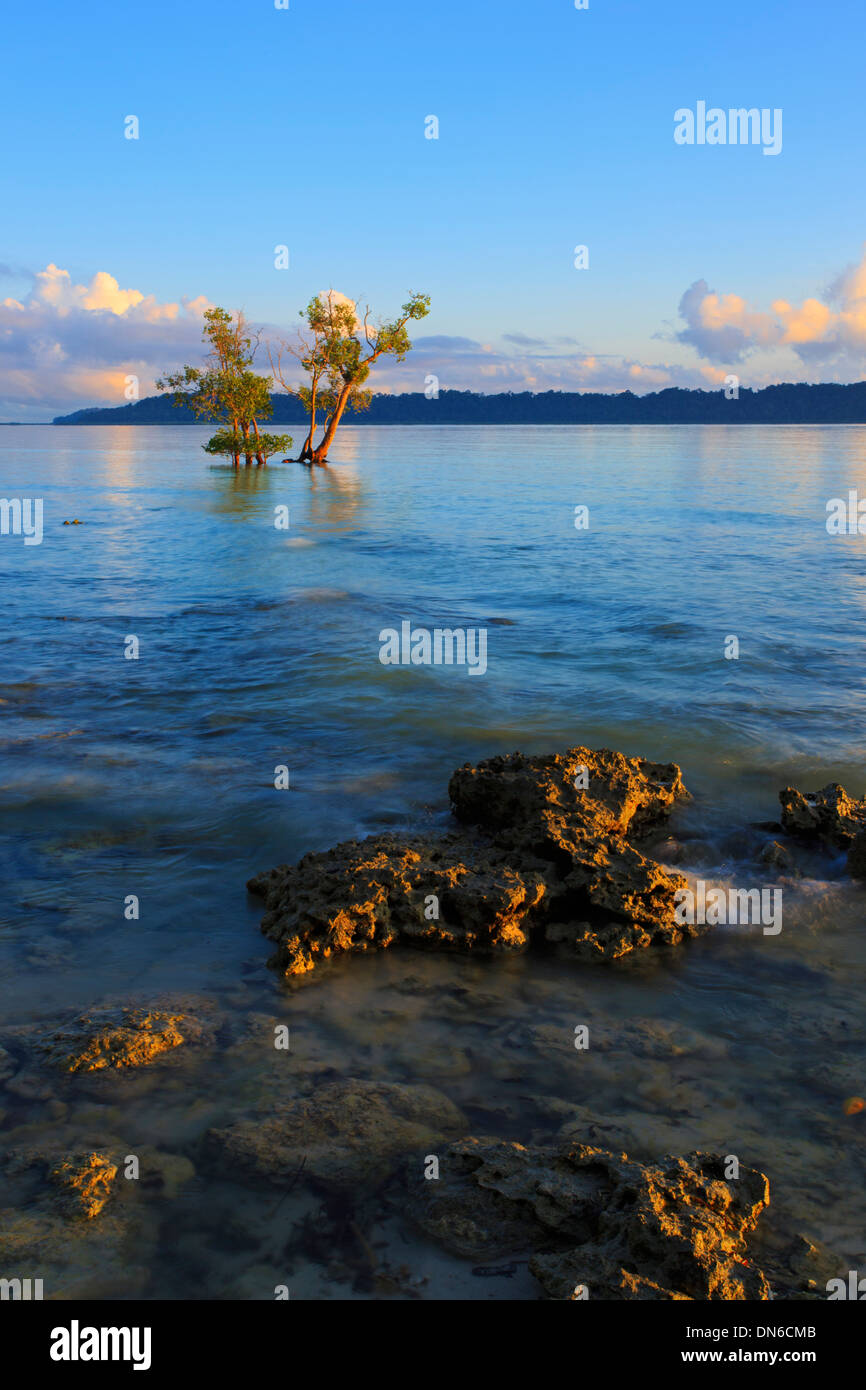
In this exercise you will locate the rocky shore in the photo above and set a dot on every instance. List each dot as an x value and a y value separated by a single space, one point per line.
547 850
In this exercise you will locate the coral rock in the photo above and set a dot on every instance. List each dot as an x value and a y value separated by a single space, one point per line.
348 1133
88 1179
548 852
622 1229
830 815
116 1037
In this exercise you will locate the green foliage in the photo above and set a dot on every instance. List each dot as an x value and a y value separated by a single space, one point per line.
233 443
342 351
226 389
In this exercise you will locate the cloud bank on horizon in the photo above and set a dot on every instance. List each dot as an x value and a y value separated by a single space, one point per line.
65 345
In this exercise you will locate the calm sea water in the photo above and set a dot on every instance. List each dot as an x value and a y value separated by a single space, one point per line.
259 647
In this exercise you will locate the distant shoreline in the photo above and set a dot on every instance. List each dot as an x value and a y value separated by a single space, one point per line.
786 404
473 425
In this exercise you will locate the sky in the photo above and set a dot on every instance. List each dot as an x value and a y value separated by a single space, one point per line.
305 127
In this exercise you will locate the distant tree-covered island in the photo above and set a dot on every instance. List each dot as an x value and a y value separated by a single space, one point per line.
787 404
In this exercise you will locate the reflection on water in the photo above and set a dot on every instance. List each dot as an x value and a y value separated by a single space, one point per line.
259 647
336 497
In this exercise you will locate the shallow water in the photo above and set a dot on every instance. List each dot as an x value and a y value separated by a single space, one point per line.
260 647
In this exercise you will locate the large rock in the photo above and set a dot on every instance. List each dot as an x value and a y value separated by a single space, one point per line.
621 1229
347 1135
830 815
540 806
548 851
363 896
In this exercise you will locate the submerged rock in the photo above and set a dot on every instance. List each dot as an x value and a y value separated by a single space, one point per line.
777 856
58 1225
676 1229
87 1180
116 1037
547 850
347 1134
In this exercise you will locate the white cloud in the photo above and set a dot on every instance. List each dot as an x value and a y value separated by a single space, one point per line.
827 333
65 345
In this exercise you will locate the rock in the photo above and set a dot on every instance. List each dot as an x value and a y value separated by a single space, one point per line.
115 1037
93 1260
830 815
857 856
161 1173
29 1087
349 1133
532 804
776 856
670 1230
546 856
366 895
57 1227
87 1179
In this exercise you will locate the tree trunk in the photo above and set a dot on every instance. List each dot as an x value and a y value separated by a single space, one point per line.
259 456
320 454
248 453
307 451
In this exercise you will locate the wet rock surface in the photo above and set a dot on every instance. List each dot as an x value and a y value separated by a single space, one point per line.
346 1134
60 1222
546 849
87 1180
113 1037
676 1229
829 814
830 817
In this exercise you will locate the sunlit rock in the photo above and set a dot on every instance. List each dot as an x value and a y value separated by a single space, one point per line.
546 851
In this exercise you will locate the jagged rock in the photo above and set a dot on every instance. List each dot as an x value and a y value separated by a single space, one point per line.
673 1230
115 1037
349 1133
830 815
549 854
87 1179
55 1225
532 803
363 896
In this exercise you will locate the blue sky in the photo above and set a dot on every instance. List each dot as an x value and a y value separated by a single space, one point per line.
305 127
